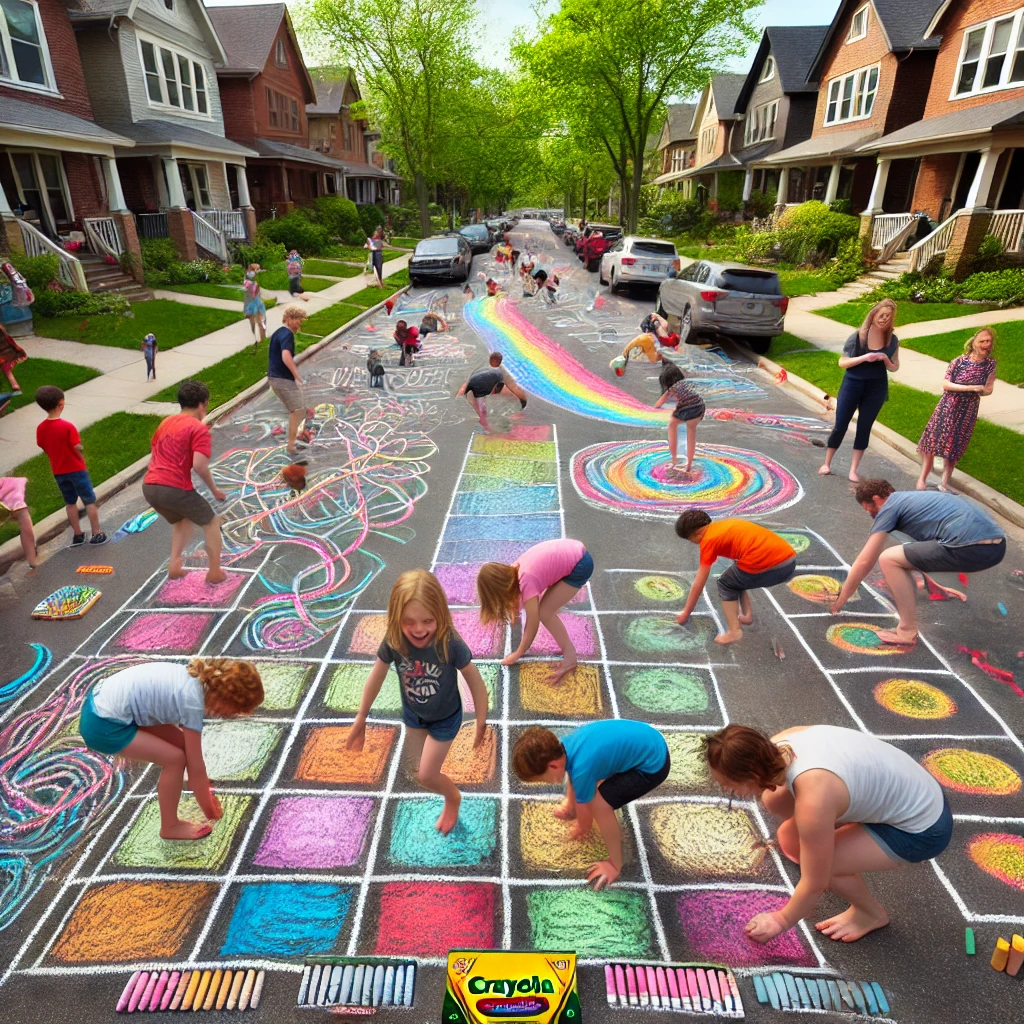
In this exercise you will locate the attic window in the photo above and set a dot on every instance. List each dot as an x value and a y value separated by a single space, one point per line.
768 71
858 25
280 54
169 4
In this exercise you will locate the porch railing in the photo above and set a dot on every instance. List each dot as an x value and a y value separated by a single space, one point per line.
151 225
886 226
209 237
103 235
1007 226
71 271
898 241
935 244
229 222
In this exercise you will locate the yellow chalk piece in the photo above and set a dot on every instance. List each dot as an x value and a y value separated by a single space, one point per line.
204 984
250 979
211 995
190 992
1016 957
225 988
236 989
1001 954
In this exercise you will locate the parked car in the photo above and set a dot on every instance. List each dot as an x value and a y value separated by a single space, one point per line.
478 236
633 260
728 299
446 256
596 241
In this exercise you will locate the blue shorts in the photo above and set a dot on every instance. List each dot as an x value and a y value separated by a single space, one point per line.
444 730
914 847
104 735
582 571
74 486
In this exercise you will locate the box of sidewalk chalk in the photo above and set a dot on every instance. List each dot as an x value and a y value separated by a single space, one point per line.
357 985
682 988
532 988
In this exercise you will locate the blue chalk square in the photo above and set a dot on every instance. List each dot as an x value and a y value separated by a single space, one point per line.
287 919
540 498
415 842
505 527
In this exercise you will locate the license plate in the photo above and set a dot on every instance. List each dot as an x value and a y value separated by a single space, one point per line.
754 308
653 268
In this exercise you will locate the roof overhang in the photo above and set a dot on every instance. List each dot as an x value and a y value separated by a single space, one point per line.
42 138
665 179
825 148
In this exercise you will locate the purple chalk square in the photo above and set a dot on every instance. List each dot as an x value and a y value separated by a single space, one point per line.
192 590
483 641
315 832
459 581
581 632
713 921
164 631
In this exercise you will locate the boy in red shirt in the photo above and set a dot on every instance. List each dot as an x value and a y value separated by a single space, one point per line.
181 444
63 446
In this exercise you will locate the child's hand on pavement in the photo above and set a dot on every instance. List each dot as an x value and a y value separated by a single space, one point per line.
565 811
764 927
512 658
602 874
480 735
683 617
356 737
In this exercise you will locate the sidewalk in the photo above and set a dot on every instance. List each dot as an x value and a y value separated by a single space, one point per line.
123 384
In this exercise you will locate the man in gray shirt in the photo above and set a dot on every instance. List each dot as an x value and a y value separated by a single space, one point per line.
490 380
948 534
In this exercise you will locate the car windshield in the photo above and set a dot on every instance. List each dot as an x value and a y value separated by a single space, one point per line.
474 229
754 282
437 247
654 248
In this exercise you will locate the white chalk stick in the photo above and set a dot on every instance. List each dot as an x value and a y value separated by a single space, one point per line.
304 984
389 985
250 980
367 986
410 975
236 989
346 984
314 985
336 974
399 984
378 984
257 990
325 986
357 986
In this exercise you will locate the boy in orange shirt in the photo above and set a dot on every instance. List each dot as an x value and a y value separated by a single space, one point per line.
760 559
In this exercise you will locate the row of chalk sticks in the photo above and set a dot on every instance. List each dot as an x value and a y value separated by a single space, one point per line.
222 989
1009 956
684 989
356 984
789 992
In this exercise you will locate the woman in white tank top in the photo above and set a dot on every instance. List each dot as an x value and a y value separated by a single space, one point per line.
850 802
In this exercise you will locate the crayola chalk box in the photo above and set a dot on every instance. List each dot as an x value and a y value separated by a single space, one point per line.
528 988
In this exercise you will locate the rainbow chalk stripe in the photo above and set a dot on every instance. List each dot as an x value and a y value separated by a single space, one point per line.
66 603
972 772
1000 854
547 370
861 638
632 478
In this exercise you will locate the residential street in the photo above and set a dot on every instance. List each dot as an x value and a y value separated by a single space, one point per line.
322 851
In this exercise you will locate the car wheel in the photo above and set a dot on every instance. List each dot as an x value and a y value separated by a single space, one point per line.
615 287
414 281
686 328
758 345
592 265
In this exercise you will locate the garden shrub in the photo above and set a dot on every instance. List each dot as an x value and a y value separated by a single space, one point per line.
50 302
262 251
730 190
1002 286
811 232
848 262
755 246
371 217
989 255
760 204
296 231
340 216
38 271
157 254
405 219
841 206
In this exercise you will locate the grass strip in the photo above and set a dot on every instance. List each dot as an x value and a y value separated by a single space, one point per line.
277 281
806 282
1008 352
331 268
232 293
34 373
357 254
406 242
853 313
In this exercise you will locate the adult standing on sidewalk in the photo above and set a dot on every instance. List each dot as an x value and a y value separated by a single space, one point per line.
869 356
283 374
376 247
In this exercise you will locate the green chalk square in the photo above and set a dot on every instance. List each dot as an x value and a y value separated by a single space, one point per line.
345 690
237 751
283 684
143 847
689 766
600 924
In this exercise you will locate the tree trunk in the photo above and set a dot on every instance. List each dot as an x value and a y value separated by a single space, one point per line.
584 203
634 195
423 203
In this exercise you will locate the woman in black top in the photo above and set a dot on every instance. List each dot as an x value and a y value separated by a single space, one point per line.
869 356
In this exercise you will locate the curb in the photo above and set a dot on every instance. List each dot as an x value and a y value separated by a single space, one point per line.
56 523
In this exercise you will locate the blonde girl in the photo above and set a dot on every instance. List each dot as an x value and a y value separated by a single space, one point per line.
428 656
254 309
154 712
544 579
869 356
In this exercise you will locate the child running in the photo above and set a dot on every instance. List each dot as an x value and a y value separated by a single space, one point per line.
254 308
428 654
608 764
293 266
154 712
689 410
544 579
149 348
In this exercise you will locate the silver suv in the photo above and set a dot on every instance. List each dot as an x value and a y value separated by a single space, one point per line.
726 298
633 260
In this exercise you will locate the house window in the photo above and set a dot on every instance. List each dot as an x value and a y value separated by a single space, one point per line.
271 108
768 71
761 123
280 54
858 25
173 79
852 97
152 74
334 130
295 116
282 111
42 188
200 80
991 56
24 57
708 138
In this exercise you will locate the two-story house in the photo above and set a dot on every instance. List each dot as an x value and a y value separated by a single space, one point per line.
150 71
714 124
874 66
677 145
265 89
777 102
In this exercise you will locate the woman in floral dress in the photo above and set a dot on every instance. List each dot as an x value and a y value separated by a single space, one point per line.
949 430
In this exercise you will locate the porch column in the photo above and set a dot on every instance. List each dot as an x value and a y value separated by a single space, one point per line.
5 206
9 229
161 185
832 188
748 184
243 186
115 197
175 193
977 197
878 188
782 195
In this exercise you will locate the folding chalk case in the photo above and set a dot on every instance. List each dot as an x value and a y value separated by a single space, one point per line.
677 988
363 983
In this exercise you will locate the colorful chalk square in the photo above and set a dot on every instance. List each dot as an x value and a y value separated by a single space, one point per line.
287 919
415 842
123 921
345 690
670 694
483 641
688 770
324 758
316 832
238 750
465 764
283 684
576 695
485 444
657 637
142 847
192 591
515 500
152 632
846 641
513 470
611 923
368 634
532 529
429 918
482 550
581 632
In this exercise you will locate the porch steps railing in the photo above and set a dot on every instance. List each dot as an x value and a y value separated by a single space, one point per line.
151 225
897 241
208 237
104 236
935 244
37 244
229 223
886 226
1006 225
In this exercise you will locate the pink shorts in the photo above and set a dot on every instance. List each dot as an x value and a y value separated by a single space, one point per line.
12 495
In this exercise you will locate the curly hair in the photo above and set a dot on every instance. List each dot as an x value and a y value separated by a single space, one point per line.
497 586
535 749
743 754
690 521
868 489
233 686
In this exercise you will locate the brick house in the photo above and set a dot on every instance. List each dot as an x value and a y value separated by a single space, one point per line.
265 89
369 176
150 70
59 179
714 124
677 145
874 66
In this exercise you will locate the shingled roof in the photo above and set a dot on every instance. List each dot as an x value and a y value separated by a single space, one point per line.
794 48
329 85
725 89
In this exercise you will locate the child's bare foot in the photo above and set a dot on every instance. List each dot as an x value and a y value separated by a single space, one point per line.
565 811
730 636
922 485
449 816
216 576
559 674
186 830
824 471
852 924
853 478
175 571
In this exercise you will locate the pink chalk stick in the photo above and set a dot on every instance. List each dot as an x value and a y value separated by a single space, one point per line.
158 992
697 991
127 993
716 993
684 991
641 984
705 991
662 986
172 984
147 995
652 986
631 984
728 998
620 985
673 988
140 987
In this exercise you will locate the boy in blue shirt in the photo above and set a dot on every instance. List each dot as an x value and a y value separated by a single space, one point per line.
609 764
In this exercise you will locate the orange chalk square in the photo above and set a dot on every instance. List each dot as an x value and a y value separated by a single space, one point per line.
368 634
578 693
325 759
464 765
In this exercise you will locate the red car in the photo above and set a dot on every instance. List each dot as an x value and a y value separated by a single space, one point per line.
595 242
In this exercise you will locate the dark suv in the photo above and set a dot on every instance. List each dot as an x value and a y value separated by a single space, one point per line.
478 236
446 256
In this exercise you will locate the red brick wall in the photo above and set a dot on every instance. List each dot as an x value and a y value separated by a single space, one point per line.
237 104
913 77
84 185
935 182
290 81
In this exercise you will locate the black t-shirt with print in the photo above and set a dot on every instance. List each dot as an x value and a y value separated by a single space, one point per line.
430 686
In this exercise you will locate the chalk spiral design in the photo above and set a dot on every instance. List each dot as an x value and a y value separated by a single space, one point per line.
1001 855
861 638
633 479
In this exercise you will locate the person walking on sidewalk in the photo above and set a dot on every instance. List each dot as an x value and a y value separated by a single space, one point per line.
376 247
254 309
149 347
949 431
283 374
869 356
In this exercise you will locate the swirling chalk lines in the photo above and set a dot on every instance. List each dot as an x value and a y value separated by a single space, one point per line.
817 587
27 680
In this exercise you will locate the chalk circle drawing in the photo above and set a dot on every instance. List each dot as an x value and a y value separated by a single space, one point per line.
913 698
546 843
633 478
655 634
667 690
29 678
799 542
972 772
689 768
862 638
415 842
707 840
660 588
610 923
817 587
1001 855
70 602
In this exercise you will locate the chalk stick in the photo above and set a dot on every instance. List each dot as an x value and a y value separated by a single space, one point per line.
837 999
399 984
734 990
805 996
337 973
685 993
190 992
257 990
367 993
127 993
236 989
844 991
204 984
773 992
314 985
858 997
792 991
172 987
147 993
631 986
694 987
225 989
869 997
140 986
158 992
325 985
410 982
1002 608
247 985
641 986
716 994
389 985
812 991
304 984
619 978
357 985
782 989
652 986
662 986
673 989
347 976
378 984
969 941
705 990
1016 957
759 989
883 1003
609 984
211 995
822 987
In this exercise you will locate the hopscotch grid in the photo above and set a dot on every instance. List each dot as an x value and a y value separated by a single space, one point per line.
242 590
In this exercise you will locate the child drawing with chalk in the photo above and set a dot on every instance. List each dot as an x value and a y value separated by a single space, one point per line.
154 712
428 655
544 579
605 766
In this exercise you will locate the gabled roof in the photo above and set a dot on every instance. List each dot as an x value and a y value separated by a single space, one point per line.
329 87
725 89
678 124
794 48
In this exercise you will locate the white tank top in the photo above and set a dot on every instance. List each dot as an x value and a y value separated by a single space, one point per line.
886 785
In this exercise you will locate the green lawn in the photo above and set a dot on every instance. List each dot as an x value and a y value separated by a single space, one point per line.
331 268
1009 349
111 444
853 313
321 324
995 453
173 323
357 254
217 291
806 282
405 242
34 373
277 281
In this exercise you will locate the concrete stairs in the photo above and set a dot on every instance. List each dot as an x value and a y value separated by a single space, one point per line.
103 277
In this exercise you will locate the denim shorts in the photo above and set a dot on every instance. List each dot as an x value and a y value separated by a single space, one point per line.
735 580
443 730
914 847
104 735
74 486
581 572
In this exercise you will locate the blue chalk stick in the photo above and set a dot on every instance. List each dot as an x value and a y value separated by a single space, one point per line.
1002 608
389 985
869 997
822 987
844 991
791 989
805 996
773 992
759 990
410 975
858 997
815 994
782 989
346 984
837 999
883 1003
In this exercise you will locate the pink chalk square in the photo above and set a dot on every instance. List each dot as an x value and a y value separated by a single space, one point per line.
459 583
431 918
368 634
484 641
193 590
581 632
525 433
713 922
315 832
164 631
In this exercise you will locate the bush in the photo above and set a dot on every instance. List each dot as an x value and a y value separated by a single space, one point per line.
760 204
917 287
730 190
296 231
38 271
841 206
157 254
755 246
261 251
1003 286
811 232
371 217
848 262
989 255
51 302
405 219
340 216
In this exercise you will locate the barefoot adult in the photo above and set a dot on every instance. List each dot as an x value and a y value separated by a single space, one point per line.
283 374
491 380
850 804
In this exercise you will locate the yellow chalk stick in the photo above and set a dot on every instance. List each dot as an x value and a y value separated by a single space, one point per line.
190 993
179 992
1016 957
236 988
225 988
1001 954
204 984
250 980
211 995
